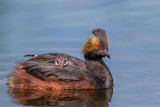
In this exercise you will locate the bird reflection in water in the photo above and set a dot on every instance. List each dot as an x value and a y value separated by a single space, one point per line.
62 98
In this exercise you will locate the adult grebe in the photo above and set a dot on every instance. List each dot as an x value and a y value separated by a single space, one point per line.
54 71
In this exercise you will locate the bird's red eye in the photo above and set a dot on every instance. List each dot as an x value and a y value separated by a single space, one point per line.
97 46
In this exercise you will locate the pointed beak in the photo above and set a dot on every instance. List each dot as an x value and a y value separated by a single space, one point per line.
107 54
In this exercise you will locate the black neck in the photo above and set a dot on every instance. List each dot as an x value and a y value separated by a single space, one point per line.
100 71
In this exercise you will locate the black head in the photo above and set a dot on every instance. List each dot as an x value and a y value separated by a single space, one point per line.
97 44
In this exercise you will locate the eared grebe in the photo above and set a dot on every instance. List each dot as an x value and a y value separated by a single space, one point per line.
61 71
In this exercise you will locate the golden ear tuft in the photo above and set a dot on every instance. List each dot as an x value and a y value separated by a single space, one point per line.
92 44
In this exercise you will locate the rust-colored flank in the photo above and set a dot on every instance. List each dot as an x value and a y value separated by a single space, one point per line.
21 79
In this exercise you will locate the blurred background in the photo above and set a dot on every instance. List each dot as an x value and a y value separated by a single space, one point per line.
49 26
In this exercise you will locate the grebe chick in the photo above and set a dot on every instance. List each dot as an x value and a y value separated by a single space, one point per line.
55 71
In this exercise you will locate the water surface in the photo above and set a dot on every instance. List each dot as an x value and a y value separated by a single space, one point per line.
45 26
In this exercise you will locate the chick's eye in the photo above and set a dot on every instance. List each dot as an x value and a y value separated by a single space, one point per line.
97 46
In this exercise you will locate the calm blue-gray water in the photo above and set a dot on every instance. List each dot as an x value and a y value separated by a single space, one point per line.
48 26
